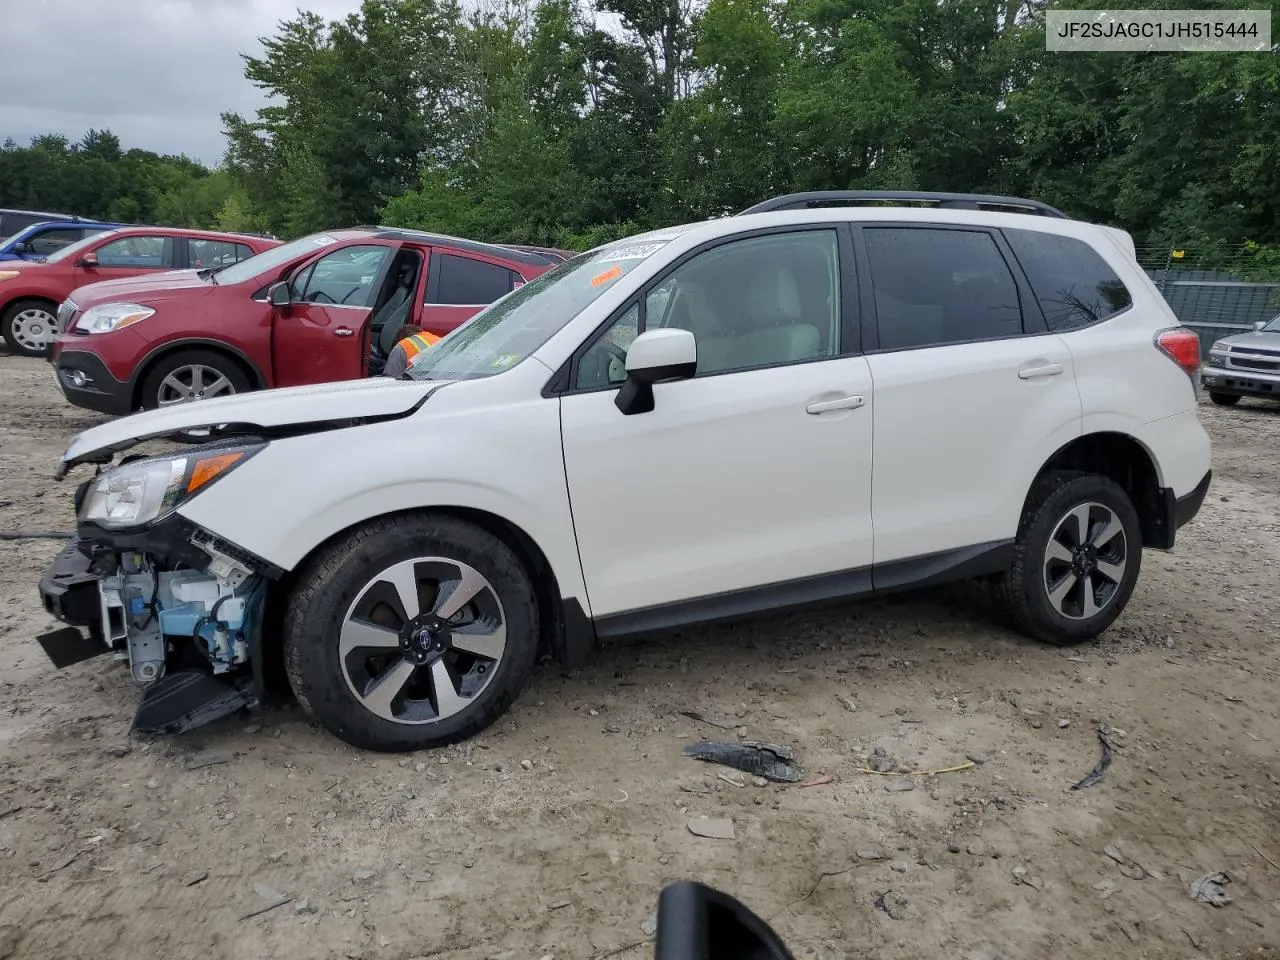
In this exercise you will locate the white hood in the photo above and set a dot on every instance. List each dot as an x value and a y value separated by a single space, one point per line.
263 409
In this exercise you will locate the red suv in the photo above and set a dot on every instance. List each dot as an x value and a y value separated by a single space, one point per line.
30 290
324 307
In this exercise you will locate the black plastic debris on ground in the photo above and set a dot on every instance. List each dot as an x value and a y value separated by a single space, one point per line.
768 760
1094 775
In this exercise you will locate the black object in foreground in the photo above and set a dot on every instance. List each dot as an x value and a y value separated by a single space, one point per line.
68 645
35 535
1094 775
696 922
768 760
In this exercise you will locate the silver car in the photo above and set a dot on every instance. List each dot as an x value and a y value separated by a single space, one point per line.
1246 365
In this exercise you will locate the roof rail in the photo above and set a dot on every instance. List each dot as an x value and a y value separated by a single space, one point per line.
950 201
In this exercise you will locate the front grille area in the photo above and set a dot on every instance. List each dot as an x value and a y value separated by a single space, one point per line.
66 313
1254 363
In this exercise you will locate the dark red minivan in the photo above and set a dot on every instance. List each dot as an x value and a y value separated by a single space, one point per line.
315 309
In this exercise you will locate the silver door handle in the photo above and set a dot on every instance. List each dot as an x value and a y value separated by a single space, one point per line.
1044 370
343 332
839 403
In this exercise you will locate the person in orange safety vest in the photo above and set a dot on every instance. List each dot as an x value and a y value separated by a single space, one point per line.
411 340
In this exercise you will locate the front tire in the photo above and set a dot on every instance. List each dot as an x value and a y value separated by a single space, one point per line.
411 632
1077 559
28 327
1224 399
191 375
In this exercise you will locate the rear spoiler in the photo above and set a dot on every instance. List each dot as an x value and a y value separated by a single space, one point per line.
1123 240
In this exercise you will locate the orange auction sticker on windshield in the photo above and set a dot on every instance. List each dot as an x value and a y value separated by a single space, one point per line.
613 273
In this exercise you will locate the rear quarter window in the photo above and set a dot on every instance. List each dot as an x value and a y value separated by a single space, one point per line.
1074 285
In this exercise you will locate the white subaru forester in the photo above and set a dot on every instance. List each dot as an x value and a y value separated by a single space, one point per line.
825 396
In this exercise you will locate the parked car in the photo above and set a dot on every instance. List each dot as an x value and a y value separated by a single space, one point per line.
750 414
11 221
555 253
30 291
324 307
1246 365
46 238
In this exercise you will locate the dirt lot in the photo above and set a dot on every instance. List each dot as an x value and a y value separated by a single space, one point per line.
553 833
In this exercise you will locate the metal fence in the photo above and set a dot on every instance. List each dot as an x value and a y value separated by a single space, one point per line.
1208 293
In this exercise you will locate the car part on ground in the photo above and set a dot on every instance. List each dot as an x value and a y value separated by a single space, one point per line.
586 461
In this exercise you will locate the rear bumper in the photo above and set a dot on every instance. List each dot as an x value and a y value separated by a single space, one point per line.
85 381
1241 383
1177 512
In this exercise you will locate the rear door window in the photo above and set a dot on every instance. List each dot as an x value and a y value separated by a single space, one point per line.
1074 285
465 281
143 252
937 286
216 253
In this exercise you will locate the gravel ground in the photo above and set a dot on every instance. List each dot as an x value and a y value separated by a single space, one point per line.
552 833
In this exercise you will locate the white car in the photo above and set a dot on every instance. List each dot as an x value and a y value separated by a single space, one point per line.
794 405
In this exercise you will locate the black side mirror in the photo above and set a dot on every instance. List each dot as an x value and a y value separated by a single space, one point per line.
696 922
656 356
278 294
20 248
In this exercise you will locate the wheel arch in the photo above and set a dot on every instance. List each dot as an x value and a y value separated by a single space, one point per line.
1124 459
158 355
565 640
23 297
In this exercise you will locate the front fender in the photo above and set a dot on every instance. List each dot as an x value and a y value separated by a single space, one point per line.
284 503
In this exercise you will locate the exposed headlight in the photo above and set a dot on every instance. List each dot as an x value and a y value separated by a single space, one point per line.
112 316
146 490
1219 346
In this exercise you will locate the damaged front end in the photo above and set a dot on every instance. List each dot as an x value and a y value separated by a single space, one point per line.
183 607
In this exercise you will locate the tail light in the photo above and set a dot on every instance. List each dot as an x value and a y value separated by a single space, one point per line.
1182 346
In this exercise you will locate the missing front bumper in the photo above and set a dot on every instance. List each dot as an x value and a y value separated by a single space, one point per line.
203 626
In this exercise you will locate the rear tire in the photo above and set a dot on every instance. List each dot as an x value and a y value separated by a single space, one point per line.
1077 558
28 327
384 677
1224 399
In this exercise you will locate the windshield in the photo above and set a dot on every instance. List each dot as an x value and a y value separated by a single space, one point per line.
268 259
510 329
21 235
1272 325
71 249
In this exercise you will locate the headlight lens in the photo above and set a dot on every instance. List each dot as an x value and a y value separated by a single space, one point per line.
8 275
112 316
147 490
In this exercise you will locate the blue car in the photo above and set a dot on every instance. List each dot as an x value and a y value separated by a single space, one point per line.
39 240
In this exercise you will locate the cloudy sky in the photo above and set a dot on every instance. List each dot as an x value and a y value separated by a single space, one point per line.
156 72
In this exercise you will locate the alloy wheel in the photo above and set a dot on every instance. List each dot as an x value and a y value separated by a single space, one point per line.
33 328
422 640
193 382
1085 561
